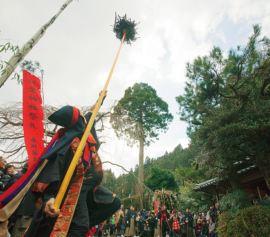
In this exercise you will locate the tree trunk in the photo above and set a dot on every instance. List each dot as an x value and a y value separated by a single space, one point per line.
141 168
265 169
20 55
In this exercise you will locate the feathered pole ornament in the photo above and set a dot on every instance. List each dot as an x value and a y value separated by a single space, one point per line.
125 27
125 31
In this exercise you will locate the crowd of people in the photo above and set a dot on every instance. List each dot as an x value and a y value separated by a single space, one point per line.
181 223
8 176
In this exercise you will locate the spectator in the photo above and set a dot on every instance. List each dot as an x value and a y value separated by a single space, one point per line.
9 171
204 231
3 164
180 215
130 222
164 216
143 214
198 228
212 228
120 222
13 218
140 223
3 225
194 218
215 213
15 177
112 223
188 219
156 226
175 224
203 217
208 216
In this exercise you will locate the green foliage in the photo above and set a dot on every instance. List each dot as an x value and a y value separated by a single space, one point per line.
233 201
135 202
179 157
140 113
161 179
226 105
191 174
251 221
31 67
265 202
172 160
27 65
131 201
198 201
8 47
123 25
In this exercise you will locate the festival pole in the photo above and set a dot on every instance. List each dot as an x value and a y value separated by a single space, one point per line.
79 150
125 30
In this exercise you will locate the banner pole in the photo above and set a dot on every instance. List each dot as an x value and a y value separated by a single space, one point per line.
73 164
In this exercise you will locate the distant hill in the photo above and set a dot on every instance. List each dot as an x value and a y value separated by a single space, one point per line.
125 184
171 161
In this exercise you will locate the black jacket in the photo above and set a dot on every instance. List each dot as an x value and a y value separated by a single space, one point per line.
14 178
1 183
5 178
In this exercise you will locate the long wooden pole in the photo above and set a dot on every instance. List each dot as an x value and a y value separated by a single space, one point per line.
73 164
15 60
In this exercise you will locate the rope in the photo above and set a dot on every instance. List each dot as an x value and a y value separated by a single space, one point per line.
129 173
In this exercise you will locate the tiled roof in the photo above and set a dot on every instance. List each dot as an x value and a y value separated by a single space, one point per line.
215 180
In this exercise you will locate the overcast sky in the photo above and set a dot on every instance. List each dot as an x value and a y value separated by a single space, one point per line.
78 50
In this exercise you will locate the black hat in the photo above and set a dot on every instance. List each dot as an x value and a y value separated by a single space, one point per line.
66 117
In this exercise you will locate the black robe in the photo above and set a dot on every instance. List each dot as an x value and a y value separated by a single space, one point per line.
189 226
59 159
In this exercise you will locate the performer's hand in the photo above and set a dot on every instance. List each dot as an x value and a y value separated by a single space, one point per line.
50 209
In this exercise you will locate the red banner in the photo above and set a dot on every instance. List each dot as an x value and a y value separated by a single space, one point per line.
156 205
32 117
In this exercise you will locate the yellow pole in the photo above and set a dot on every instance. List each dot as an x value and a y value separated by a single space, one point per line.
73 164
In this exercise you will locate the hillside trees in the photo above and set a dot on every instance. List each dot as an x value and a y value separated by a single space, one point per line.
161 179
139 117
226 104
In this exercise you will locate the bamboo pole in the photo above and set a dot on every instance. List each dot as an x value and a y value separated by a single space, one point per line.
73 164
27 47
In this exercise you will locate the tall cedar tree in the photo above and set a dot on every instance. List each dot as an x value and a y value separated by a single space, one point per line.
227 107
139 117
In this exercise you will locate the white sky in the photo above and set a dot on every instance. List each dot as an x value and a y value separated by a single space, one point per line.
78 50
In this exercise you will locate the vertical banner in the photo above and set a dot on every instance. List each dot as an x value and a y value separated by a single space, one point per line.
32 117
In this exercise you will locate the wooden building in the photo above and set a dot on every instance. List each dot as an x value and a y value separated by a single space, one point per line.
250 176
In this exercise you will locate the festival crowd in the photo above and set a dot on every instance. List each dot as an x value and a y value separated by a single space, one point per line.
129 223
181 223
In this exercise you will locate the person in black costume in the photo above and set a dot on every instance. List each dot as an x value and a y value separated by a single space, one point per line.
188 219
164 217
95 203
130 222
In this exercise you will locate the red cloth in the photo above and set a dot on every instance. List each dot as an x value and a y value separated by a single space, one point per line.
175 224
32 117
91 232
